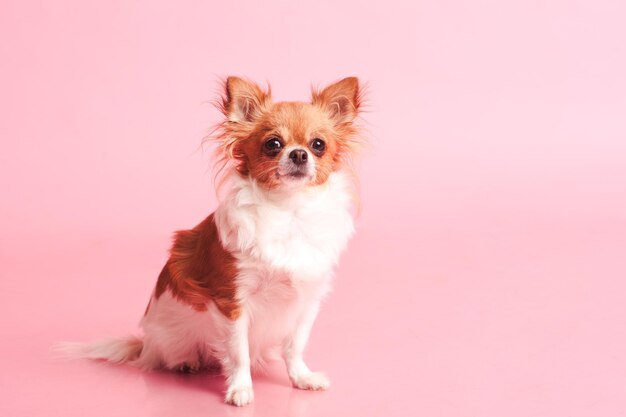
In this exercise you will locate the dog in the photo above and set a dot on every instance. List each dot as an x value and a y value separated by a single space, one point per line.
246 282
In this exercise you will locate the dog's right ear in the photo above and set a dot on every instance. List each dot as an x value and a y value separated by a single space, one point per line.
243 100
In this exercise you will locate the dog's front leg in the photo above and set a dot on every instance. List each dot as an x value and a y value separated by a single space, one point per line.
237 364
293 348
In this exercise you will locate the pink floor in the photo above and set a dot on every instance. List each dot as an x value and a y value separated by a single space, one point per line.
488 274
512 317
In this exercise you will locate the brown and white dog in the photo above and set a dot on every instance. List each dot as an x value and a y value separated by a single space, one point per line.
248 280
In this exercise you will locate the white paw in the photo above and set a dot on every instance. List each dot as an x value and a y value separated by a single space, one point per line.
239 395
312 380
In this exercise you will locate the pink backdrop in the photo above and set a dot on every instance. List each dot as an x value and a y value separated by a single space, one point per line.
488 274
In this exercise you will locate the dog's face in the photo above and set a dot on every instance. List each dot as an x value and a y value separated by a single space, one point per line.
289 144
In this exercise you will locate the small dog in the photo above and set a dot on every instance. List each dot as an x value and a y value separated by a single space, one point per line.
248 280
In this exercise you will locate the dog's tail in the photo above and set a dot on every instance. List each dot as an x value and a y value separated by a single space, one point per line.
114 350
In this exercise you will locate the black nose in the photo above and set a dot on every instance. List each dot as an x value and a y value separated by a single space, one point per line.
298 156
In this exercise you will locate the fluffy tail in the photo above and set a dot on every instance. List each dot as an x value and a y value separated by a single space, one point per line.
118 350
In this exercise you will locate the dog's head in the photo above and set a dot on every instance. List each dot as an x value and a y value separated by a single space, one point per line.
288 144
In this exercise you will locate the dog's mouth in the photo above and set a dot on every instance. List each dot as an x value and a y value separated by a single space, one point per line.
295 174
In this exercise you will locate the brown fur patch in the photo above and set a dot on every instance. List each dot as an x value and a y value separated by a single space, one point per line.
200 270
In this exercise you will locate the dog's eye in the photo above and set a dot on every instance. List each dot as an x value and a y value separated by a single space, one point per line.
318 146
273 146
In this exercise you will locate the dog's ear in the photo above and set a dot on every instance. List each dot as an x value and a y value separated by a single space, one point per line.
342 99
243 100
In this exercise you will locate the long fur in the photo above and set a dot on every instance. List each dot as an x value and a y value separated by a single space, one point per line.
114 350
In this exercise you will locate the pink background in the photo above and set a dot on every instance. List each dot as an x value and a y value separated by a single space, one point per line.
487 277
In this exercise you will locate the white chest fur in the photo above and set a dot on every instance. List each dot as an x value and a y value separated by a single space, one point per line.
286 245
300 233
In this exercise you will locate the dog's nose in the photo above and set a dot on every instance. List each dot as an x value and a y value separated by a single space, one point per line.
298 156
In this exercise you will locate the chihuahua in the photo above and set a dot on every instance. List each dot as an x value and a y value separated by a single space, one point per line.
246 283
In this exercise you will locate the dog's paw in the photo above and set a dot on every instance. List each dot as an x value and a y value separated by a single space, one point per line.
239 395
312 381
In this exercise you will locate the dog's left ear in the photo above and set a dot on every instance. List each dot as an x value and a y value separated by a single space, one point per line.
341 99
